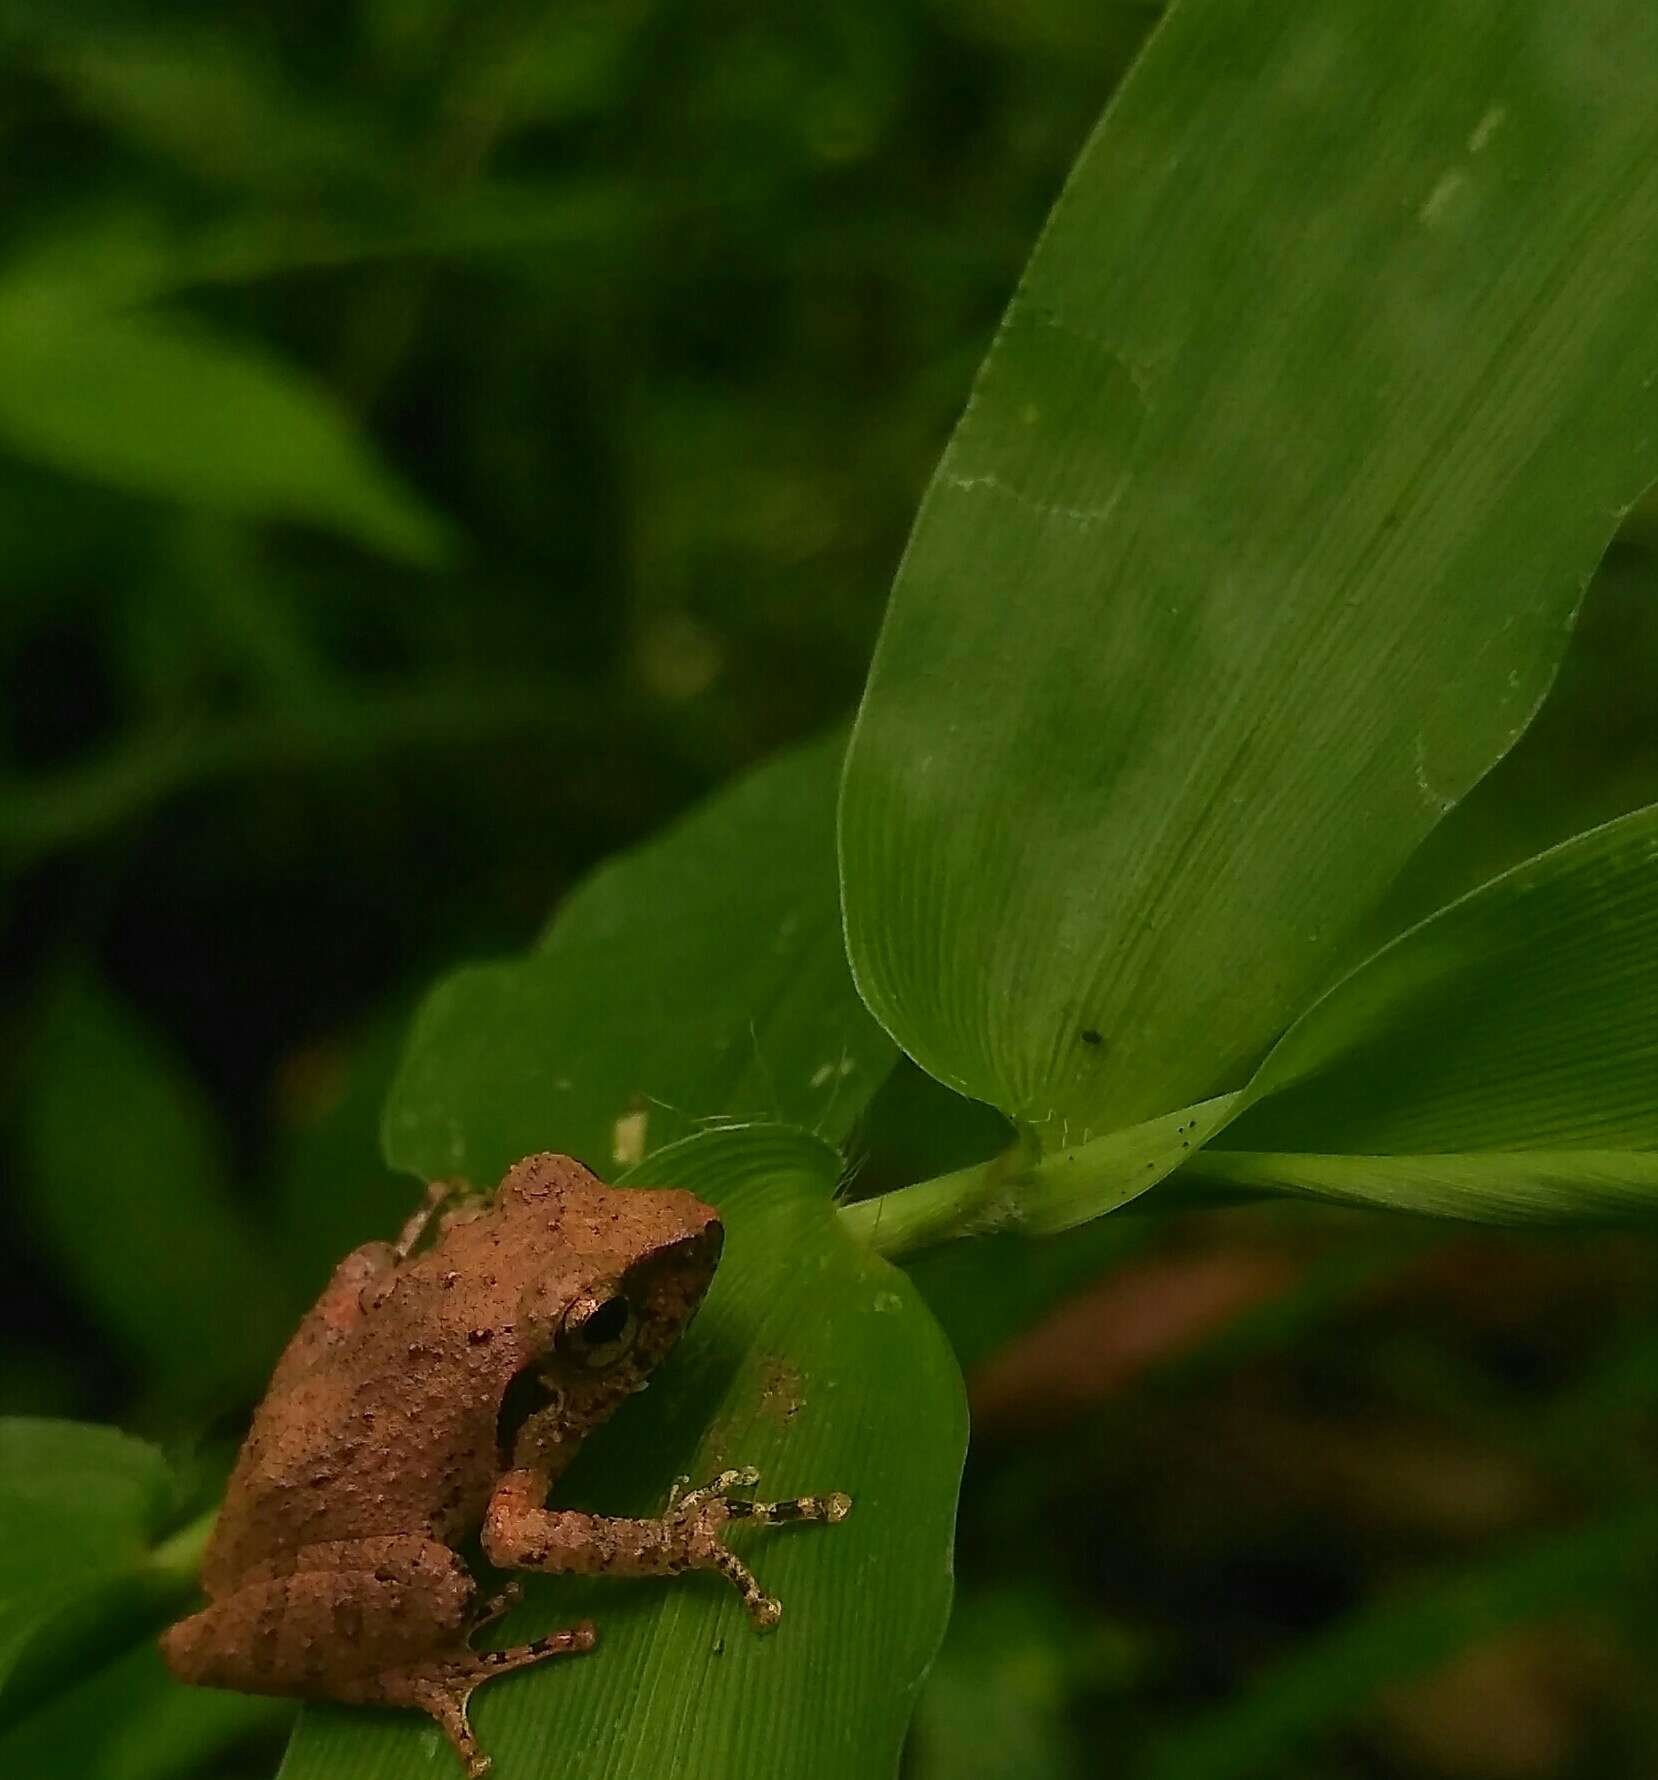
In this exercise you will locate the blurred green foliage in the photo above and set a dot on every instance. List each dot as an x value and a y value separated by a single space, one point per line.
611 297
590 362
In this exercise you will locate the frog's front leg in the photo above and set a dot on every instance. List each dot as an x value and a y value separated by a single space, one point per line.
521 1533
382 1621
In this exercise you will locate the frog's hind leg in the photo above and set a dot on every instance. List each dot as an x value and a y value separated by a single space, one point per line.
382 1621
443 1686
312 1621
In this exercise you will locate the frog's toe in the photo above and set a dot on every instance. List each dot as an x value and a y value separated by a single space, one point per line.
444 1685
495 1607
833 1507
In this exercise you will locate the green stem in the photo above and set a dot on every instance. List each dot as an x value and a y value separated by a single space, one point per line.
972 1201
1041 1194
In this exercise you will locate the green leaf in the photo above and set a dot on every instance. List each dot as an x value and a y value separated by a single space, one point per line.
79 1506
1493 1186
817 1362
165 408
1260 539
130 1720
1590 757
124 1185
699 978
1001 1701
1323 1684
1522 1017
212 99
117 254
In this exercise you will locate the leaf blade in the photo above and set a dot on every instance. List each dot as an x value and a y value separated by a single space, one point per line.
676 984
79 1505
1493 1186
1256 547
157 407
177 1277
1524 1016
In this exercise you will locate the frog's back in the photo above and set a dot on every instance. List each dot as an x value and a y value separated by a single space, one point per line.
369 1433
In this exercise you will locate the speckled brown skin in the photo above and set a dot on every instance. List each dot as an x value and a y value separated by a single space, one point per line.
331 1572
520 1534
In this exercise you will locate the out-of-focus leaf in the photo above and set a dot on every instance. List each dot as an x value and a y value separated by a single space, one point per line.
817 1362
130 1720
1260 539
168 409
1522 1017
79 1508
701 978
124 1184
72 804
997 1704
331 1187
1322 1684
116 255
213 99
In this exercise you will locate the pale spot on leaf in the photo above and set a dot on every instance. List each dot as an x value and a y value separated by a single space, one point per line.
627 1138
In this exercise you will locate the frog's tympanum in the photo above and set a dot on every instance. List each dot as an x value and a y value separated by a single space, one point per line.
432 1396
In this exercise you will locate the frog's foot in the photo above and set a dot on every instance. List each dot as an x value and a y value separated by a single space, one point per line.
836 1505
444 1686
494 1608
702 1514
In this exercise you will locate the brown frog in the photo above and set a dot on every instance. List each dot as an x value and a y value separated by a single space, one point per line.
387 1437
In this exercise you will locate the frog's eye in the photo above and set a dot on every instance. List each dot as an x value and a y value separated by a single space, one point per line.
598 1329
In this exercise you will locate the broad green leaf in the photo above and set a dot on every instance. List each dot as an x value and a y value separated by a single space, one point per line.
1494 1186
1590 757
818 1363
1522 1017
1260 539
124 1185
1323 1684
700 978
166 408
79 1505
